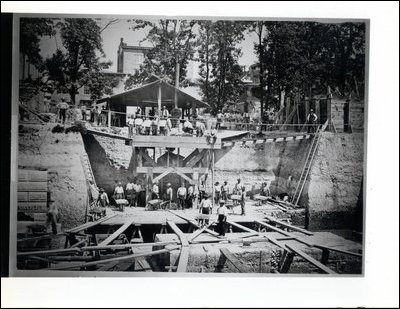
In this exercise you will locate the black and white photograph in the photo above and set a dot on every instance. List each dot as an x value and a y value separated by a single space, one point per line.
169 146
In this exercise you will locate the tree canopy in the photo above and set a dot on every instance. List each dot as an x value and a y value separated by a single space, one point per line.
79 64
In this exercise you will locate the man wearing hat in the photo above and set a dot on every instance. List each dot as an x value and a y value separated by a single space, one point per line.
222 213
52 215
103 200
205 207
311 121
119 191
224 190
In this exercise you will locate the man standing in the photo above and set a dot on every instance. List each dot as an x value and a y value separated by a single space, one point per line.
311 121
205 208
164 113
217 190
237 188
190 196
155 191
119 191
219 120
62 110
224 191
52 216
169 194
181 194
130 192
222 213
242 200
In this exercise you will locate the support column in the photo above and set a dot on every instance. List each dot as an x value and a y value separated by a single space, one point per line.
109 118
212 175
329 113
318 109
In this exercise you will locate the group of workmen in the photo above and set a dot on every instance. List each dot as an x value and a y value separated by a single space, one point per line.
153 125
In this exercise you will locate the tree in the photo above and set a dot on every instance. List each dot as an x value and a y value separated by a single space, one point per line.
221 82
78 64
173 47
31 32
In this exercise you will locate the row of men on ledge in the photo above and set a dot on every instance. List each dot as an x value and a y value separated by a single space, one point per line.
193 196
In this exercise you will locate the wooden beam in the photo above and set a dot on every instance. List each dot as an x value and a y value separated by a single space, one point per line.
178 232
193 154
163 169
144 264
146 141
122 258
127 246
239 226
106 134
190 180
193 222
198 232
163 174
118 232
148 159
193 161
49 252
295 228
183 259
88 225
235 261
311 260
338 250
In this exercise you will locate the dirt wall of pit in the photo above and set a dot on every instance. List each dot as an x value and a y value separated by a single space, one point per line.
270 162
333 193
59 154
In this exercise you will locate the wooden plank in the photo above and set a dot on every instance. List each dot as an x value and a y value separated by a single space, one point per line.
49 252
39 216
144 265
183 259
118 232
338 250
87 225
122 258
193 154
235 261
295 228
310 259
239 226
106 134
164 169
32 176
184 176
193 222
159 177
32 207
127 246
22 197
37 196
178 232
198 232
148 159
192 162
32 186
147 141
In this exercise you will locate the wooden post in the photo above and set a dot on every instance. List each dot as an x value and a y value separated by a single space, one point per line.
318 109
212 175
176 83
109 118
307 109
329 112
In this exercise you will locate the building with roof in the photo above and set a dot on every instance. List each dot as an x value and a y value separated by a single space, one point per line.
130 58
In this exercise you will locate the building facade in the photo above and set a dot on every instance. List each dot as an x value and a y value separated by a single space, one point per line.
130 58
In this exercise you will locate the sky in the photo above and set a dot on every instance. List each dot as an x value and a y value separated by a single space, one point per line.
112 35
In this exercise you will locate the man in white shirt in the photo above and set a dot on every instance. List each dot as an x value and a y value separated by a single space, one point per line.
155 191
222 213
119 192
311 121
138 124
146 126
187 127
205 207
217 189
131 125
181 194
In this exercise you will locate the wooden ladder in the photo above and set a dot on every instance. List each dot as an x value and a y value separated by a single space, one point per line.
307 167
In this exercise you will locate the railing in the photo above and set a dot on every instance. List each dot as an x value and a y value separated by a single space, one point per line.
230 124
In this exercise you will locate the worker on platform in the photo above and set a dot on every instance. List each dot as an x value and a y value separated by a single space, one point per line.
237 188
138 124
181 194
311 121
187 127
169 194
224 190
119 191
200 128
130 192
154 125
217 191
146 126
220 116
205 208
190 196
222 213
155 191
164 114
102 202
243 200
131 125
